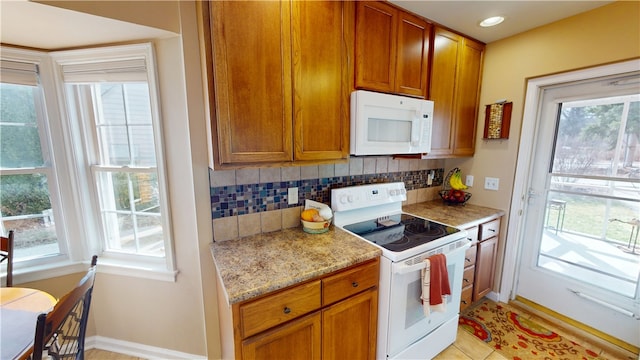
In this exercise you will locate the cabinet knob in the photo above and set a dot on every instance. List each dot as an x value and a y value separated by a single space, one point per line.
286 310
354 284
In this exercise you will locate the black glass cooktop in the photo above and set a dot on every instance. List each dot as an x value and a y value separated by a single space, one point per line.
400 232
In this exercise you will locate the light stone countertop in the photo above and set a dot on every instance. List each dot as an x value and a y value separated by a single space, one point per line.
262 263
463 216
259 264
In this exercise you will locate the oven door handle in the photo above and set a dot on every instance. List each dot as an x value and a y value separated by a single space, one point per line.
403 268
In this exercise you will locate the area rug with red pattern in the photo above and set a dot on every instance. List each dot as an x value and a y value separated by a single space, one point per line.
519 338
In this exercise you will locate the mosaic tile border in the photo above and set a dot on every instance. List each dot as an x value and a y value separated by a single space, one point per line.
244 199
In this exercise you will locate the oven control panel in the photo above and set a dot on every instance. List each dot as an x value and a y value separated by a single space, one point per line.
366 196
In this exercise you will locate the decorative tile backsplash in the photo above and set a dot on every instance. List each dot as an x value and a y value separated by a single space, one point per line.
249 191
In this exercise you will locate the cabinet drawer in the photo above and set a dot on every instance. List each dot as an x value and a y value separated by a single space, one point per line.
270 311
465 299
350 282
470 256
472 234
468 276
490 229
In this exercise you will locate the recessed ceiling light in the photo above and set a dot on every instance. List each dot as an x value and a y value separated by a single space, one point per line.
492 21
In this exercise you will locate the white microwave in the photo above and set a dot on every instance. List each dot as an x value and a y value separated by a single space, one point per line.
383 124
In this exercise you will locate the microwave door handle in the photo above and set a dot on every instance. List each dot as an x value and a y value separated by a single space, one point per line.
416 129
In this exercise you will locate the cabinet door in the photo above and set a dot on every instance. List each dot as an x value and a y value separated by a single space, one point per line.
485 267
444 67
375 49
455 88
350 327
412 72
251 43
467 98
300 339
321 33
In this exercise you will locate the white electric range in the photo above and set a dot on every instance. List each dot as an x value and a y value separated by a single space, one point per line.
374 213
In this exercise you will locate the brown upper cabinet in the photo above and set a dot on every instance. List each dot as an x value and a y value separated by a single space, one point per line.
392 50
455 90
279 80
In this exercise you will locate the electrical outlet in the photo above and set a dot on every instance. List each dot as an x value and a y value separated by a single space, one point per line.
292 195
469 180
430 177
491 183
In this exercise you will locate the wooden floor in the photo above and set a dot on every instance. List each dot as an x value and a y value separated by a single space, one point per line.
468 347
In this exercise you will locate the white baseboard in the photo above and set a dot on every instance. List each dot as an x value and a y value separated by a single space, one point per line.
493 296
135 349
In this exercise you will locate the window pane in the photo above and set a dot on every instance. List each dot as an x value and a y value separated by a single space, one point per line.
138 103
598 138
131 212
19 137
114 145
112 104
124 125
26 208
143 147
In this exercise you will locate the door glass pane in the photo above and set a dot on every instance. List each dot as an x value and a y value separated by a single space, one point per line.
593 202
592 239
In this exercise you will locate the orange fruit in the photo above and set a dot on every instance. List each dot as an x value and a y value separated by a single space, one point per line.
307 215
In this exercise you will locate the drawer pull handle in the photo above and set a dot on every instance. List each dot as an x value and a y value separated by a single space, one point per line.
467 259
464 302
286 310
466 280
492 230
354 284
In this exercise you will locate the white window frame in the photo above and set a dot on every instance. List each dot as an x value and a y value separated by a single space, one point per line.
73 180
162 268
49 128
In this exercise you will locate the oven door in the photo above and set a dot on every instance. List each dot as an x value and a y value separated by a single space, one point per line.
407 322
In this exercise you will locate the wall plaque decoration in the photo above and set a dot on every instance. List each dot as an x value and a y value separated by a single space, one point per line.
497 120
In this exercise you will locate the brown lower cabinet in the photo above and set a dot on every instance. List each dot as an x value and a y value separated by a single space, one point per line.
480 262
331 317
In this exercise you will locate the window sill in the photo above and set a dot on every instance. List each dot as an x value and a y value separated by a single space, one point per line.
105 266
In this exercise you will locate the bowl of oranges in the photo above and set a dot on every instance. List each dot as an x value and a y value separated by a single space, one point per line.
316 220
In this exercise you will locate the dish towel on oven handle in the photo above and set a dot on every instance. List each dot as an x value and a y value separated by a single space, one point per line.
435 284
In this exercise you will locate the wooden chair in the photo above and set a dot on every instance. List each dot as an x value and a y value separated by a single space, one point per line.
61 332
6 253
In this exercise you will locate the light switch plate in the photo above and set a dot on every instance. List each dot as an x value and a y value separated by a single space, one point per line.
469 180
292 195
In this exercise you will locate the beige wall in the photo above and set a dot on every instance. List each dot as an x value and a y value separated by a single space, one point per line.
180 315
607 34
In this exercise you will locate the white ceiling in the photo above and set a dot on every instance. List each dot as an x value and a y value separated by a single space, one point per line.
47 27
520 16
41 26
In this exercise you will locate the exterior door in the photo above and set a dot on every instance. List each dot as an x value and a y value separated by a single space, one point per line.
579 252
